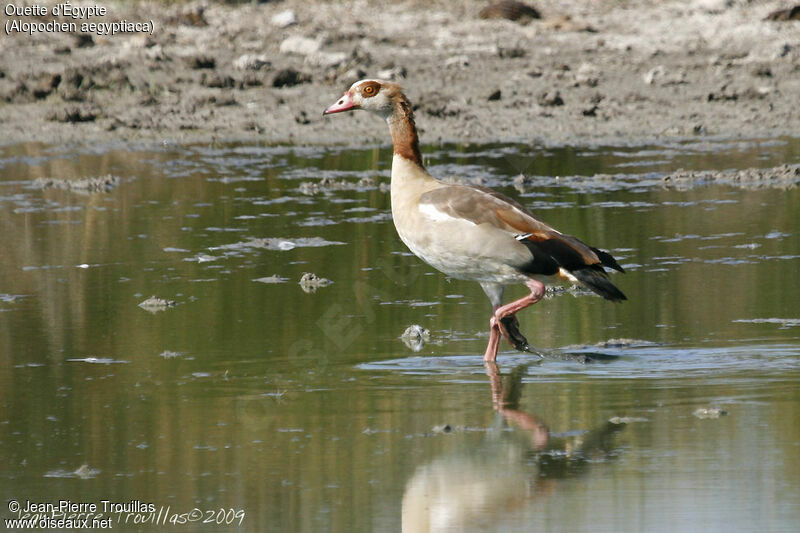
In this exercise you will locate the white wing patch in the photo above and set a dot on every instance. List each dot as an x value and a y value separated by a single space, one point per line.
430 211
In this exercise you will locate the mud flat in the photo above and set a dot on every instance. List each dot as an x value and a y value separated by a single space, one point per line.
91 184
587 72
784 176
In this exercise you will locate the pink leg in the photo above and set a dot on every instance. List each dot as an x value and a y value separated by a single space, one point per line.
494 341
536 294
528 422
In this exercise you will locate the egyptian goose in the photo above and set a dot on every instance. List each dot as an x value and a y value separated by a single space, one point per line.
473 233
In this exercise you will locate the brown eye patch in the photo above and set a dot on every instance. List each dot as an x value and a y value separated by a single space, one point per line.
370 88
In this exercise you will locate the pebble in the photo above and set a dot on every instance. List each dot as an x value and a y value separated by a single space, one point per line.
155 304
714 6
46 83
782 15
310 282
251 62
460 61
709 412
217 81
284 19
156 53
550 99
83 40
510 10
415 337
290 77
627 419
511 53
763 72
300 45
590 111
392 74
302 118
190 16
201 62
783 50
653 74
660 76
85 472
415 331
326 59
350 76
275 278
587 75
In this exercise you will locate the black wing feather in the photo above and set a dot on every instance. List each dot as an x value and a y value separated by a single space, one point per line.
595 278
608 260
553 254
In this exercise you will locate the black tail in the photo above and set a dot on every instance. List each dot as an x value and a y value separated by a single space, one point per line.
571 254
608 260
595 278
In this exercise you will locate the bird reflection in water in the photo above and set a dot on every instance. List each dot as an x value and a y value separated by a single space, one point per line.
477 488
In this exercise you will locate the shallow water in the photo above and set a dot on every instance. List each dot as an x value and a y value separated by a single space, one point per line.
305 411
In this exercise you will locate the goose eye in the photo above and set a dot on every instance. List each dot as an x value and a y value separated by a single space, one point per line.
369 90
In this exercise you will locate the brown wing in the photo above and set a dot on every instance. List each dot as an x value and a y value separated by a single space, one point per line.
481 205
550 249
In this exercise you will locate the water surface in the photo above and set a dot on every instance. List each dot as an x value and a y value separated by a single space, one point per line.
306 411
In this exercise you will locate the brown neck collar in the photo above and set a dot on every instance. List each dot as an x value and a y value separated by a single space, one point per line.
405 140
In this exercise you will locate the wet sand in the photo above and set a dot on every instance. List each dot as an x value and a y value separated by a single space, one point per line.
585 73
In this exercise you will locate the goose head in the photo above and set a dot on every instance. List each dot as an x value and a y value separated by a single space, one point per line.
378 96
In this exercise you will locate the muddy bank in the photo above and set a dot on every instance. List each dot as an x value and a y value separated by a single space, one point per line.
586 72
784 176
88 185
